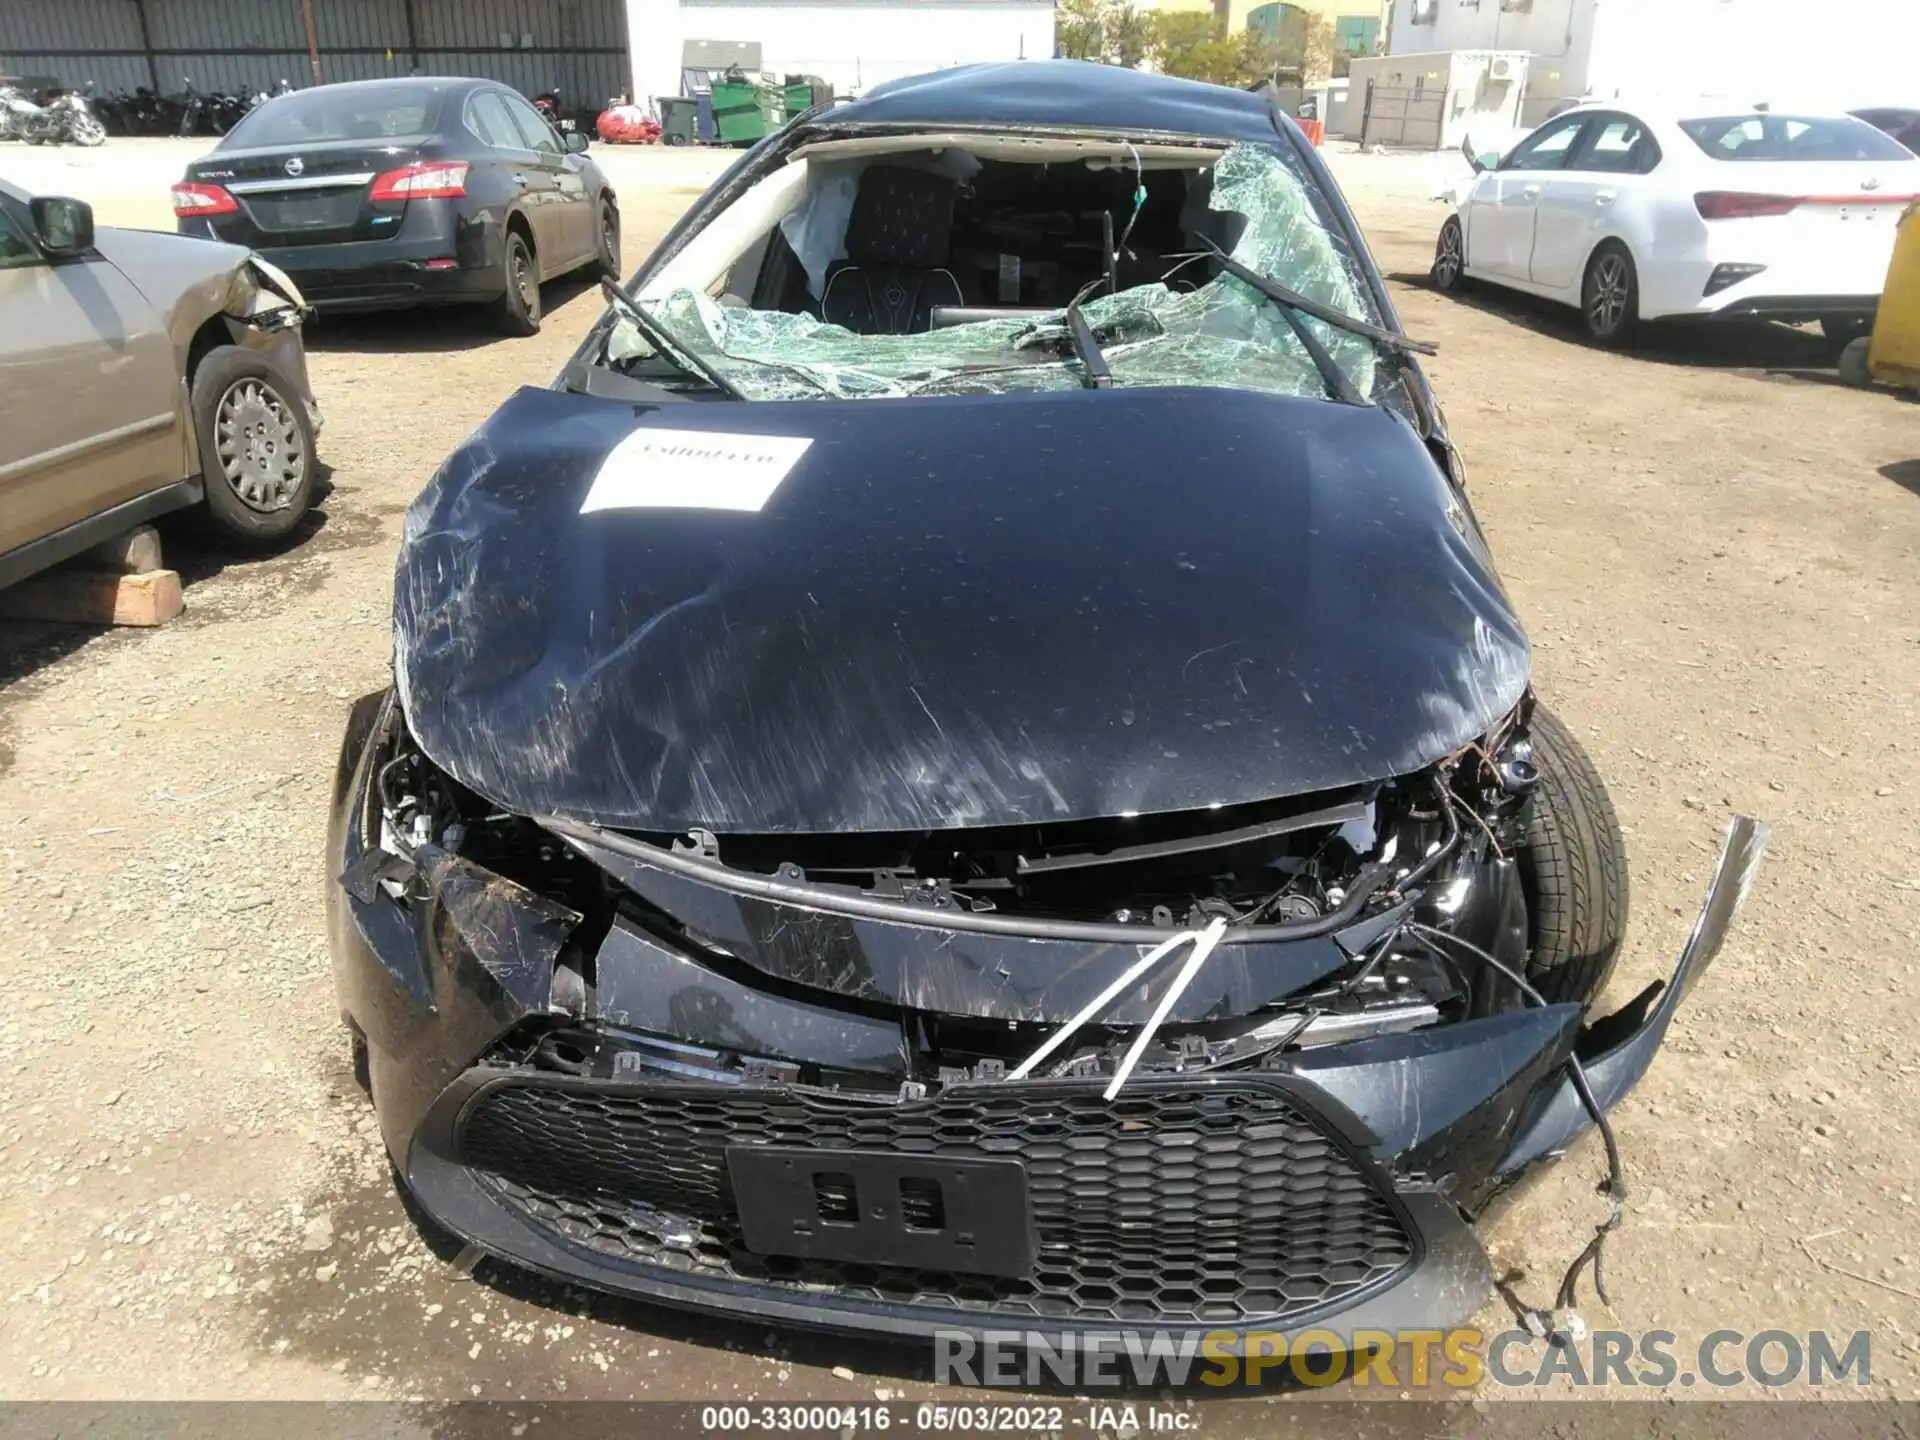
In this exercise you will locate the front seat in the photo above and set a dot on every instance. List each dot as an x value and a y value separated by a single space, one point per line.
1199 219
898 239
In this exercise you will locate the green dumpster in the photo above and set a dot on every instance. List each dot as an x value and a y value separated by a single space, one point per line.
806 91
743 112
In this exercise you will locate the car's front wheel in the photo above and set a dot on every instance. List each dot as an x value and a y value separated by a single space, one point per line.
1610 297
1450 256
256 446
606 263
1856 363
519 309
1573 869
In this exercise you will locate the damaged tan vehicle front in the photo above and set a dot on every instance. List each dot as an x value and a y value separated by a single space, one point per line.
142 373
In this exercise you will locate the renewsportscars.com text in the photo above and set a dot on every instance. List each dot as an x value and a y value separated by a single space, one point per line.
1460 1359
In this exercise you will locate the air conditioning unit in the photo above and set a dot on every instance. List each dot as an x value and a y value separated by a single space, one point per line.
1502 67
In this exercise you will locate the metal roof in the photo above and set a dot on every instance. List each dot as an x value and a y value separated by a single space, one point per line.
1072 94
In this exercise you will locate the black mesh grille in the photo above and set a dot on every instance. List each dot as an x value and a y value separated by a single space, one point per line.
1216 1204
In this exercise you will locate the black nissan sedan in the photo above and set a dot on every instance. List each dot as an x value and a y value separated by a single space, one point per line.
380 194
967 767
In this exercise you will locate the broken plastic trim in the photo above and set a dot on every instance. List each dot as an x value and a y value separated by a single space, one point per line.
1331 815
1203 942
278 281
1617 1049
835 900
261 295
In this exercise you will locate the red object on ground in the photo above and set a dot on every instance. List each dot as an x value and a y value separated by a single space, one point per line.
1316 130
627 125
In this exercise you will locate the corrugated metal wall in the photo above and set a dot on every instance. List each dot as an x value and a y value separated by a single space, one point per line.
242 45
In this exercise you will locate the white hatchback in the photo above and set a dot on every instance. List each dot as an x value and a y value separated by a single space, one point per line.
1640 215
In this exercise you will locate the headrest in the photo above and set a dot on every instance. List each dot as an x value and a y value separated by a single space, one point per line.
901 217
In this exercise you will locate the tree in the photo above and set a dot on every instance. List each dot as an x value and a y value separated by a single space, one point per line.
1129 35
1078 29
1185 44
1109 31
1318 46
1301 49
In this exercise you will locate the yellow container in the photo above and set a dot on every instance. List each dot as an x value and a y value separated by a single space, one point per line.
1895 356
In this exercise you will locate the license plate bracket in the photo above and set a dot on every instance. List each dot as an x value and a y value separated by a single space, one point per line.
884 1208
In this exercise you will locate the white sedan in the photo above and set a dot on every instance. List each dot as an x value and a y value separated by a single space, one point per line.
1637 215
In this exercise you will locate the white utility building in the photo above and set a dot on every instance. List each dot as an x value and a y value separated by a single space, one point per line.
1836 54
1431 102
852 44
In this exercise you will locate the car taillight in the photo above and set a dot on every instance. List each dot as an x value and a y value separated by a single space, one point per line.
446 181
1738 205
193 199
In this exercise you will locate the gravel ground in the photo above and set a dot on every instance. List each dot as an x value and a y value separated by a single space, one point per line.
1714 545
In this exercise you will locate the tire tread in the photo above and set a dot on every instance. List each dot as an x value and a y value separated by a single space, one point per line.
1575 866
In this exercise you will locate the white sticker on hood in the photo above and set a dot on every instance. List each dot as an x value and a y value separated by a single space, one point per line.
693 470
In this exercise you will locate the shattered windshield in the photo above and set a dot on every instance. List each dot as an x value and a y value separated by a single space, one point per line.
1222 332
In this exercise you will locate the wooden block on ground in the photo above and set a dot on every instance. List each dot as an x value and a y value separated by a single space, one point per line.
133 553
92 597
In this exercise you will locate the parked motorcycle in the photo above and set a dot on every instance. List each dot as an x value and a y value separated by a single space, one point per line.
223 112
113 112
193 109
548 104
65 117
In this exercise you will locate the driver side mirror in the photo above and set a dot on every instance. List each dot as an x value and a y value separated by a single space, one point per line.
63 226
575 141
1481 161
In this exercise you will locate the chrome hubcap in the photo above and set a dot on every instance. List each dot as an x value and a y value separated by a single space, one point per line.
523 277
257 442
1447 264
1608 305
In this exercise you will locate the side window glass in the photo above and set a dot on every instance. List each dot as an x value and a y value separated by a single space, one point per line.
488 119
1747 132
1547 150
15 249
539 136
1616 145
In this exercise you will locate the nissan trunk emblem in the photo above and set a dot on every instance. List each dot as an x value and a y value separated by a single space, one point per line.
1873 184
296 165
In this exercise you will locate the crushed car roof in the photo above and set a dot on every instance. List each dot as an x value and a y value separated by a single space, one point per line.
1075 94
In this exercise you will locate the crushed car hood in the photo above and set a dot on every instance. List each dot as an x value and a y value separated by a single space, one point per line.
968 611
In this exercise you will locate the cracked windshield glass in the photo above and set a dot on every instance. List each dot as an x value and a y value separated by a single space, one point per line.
1179 328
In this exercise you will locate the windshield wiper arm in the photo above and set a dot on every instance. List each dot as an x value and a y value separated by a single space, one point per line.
1338 385
1306 305
674 351
1087 347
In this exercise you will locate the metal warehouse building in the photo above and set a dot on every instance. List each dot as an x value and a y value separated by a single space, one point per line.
244 45
581 47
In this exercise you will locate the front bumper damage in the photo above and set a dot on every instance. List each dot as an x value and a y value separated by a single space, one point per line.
265 313
598 1132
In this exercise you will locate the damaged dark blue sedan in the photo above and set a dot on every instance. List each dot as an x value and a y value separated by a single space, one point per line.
967 767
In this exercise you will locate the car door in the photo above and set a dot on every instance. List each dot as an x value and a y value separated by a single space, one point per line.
91 412
1505 202
572 205
1577 203
528 177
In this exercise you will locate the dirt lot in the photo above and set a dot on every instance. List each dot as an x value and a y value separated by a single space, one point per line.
1714 545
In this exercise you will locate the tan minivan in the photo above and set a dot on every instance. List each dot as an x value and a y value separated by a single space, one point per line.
141 373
